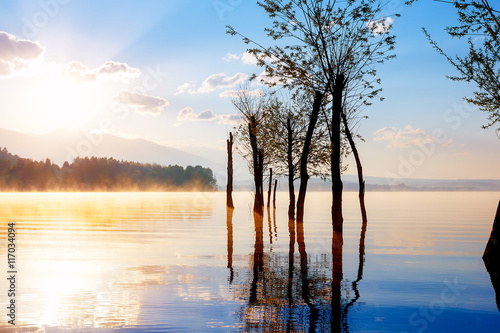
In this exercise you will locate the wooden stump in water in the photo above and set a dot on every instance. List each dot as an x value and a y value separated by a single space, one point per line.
491 256
229 188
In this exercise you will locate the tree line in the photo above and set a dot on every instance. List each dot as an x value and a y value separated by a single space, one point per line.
99 174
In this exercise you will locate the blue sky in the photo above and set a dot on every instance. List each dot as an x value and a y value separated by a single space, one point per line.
184 43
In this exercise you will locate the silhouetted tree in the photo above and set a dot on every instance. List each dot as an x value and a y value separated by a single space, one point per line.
331 50
253 110
285 132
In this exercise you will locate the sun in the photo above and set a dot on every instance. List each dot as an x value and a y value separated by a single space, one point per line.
61 102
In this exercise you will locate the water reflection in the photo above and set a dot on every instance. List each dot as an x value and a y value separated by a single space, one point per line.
258 256
87 258
361 265
337 271
297 292
304 276
158 262
291 261
102 211
229 225
270 225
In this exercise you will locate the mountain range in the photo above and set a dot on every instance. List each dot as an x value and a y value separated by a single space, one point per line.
65 145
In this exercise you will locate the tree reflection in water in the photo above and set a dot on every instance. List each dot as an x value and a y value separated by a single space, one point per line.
229 225
361 264
295 292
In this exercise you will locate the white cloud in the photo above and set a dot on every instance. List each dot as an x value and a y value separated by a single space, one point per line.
189 114
248 59
117 70
265 78
212 83
402 138
207 115
142 103
231 56
109 70
185 87
17 54
381 26
229 119
239 93
78 71
221 80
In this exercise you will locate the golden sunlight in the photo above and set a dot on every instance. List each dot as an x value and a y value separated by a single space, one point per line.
63 102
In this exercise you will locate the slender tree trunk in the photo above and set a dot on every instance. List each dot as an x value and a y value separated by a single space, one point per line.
270 187
336 154
229 188
291 173
274 193
304 176
260 178
258 163
359 167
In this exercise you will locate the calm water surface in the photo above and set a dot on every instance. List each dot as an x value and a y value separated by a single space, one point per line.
159 262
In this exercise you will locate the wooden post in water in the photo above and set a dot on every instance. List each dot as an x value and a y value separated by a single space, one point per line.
229 188
270 187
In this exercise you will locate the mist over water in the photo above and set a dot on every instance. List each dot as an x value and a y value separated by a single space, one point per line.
152 262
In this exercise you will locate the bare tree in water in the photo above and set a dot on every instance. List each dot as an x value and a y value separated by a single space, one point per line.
331 51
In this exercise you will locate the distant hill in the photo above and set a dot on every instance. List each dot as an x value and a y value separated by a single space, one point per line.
64 145
99 174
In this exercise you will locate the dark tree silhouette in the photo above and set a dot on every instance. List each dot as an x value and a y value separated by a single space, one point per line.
331 51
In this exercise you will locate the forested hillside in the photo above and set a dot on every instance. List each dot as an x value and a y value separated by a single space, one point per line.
99 174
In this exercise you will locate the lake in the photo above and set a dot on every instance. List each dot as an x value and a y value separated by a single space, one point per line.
160 262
